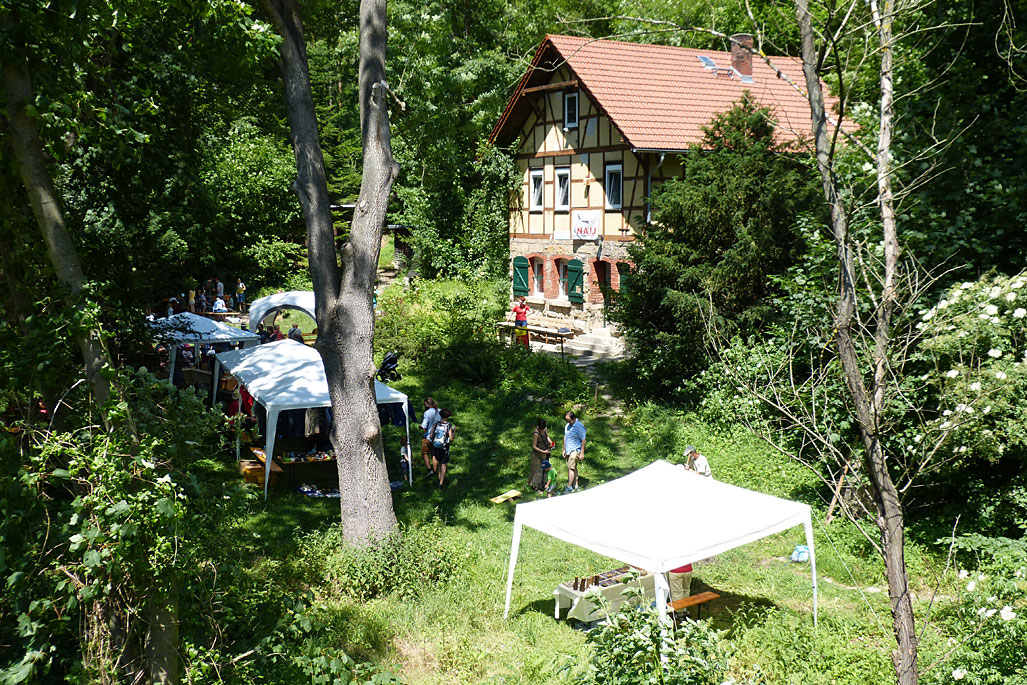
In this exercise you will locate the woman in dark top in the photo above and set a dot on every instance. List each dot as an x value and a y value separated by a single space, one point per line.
540 449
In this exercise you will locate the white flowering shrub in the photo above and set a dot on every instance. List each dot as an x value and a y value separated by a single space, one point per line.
987 624
954 427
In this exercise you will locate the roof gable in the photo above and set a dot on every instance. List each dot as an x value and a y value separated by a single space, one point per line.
660 97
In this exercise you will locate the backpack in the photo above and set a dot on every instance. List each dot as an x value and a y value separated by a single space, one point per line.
440 437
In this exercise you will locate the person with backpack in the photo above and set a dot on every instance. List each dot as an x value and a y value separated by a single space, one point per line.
442 436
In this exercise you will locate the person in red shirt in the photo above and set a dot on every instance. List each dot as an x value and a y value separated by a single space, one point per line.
520 311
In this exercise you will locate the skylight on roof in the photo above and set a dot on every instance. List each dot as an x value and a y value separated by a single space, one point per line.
707 62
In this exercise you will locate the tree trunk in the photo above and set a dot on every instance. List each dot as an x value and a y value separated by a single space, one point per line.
343 282
868 404
31 161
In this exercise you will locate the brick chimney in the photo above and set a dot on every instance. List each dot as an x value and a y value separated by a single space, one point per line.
741 59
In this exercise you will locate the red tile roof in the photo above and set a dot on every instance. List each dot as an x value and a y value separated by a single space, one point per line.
659 97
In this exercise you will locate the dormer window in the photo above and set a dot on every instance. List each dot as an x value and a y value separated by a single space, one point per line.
570 109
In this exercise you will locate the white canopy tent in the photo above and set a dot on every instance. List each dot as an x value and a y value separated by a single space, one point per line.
302 300
285 375
659 518
189 328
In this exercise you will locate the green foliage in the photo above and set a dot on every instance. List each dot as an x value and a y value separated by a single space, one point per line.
779 646
428 316
635 648
987 620
407 562
716 237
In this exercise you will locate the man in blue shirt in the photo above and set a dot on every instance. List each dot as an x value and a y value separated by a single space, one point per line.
431 417
573 449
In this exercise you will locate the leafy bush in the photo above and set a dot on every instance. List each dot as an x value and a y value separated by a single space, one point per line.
634 647
426 316
988 623
407 562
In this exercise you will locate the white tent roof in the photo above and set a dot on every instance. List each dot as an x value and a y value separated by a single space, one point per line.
687 517
661 517
303 300
193 328
286 374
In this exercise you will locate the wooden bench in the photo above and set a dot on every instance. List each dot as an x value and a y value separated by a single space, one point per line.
696 601
546 335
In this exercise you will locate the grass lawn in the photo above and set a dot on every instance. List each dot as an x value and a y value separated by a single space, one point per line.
454 632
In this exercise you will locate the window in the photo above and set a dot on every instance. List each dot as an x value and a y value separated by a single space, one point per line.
563 188
538 266
570 110
537 184
614 186
561 270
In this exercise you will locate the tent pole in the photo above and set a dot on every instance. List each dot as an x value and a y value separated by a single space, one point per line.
662 589
269 446
514 548
808 525
215 381
410 448
171 366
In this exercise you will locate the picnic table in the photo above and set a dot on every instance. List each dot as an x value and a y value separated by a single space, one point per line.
611 587
221 316
286 465
552 336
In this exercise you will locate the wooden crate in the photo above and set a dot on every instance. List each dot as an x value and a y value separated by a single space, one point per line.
253 471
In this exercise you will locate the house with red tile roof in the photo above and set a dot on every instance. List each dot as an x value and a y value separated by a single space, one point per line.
595 125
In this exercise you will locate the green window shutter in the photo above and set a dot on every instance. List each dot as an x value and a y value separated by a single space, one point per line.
575 281
521 271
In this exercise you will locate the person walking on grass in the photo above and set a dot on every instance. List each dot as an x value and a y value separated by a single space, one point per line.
442 436
428 421
573 449
540 451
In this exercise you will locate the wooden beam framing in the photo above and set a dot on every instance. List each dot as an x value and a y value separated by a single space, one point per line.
550 86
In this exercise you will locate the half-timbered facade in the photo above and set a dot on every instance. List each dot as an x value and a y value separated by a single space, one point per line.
594 126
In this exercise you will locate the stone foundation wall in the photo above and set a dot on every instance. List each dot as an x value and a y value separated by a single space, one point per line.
549 308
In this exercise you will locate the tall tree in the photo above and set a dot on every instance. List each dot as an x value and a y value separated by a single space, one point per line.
344 279
869 379
23 137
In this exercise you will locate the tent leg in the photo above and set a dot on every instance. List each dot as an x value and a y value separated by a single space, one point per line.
171 365
808 525
238 441
514 548
410 448
216 382
269 447
662 589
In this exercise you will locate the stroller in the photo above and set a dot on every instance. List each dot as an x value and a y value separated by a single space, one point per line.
387 371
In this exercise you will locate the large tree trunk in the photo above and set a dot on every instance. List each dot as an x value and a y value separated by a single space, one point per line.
343 282
32 166
868 404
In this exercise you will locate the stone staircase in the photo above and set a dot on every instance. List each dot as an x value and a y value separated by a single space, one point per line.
599 343
586 349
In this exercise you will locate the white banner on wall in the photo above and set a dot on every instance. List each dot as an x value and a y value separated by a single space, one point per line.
585 224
